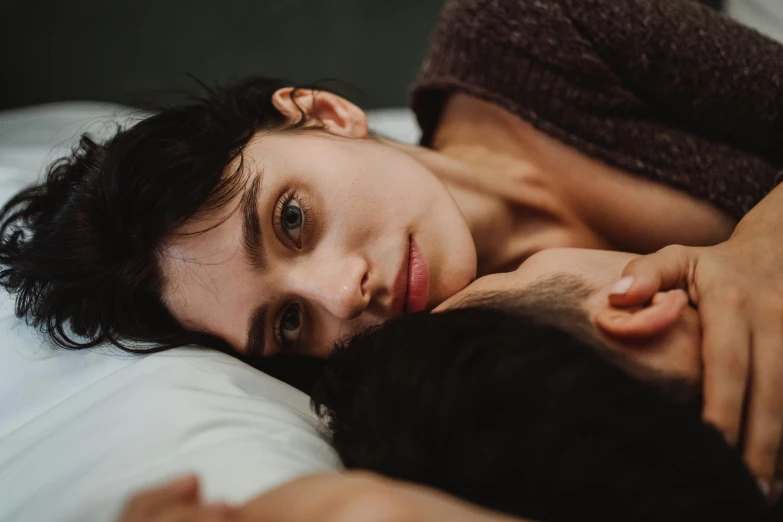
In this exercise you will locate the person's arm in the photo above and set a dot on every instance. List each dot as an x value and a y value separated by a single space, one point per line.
737 287
345 497
713 74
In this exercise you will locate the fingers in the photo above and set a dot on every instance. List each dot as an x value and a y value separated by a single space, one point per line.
726 354
666 269
764 422
643 322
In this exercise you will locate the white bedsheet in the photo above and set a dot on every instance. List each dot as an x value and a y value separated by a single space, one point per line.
766 16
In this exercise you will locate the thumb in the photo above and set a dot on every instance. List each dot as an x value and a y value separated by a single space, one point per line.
645 276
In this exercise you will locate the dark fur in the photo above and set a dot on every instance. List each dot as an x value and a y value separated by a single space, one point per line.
521 417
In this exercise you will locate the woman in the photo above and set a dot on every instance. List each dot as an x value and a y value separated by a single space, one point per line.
264 219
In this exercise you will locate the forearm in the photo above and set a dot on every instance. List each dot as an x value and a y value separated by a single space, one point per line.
357 496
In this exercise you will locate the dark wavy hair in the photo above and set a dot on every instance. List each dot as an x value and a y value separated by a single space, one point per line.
81 250
519 414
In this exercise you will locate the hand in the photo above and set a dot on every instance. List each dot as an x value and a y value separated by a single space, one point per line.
738 289
177 501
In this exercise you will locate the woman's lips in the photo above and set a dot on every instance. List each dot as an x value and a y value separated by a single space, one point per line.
411 286
418 280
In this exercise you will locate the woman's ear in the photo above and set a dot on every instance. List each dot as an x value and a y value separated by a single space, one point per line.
335 113
641 322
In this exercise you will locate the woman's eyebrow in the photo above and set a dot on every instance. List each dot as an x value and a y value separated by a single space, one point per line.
252 241
256 336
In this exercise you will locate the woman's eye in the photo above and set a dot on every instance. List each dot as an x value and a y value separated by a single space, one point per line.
289 326
292 219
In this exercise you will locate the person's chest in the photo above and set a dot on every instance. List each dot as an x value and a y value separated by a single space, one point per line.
602 206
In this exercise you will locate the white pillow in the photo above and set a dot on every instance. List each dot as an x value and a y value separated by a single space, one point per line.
80 431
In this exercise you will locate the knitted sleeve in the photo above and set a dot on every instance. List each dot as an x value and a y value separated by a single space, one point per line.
524 55
711 73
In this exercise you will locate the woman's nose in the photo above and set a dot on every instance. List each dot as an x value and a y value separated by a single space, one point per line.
339 285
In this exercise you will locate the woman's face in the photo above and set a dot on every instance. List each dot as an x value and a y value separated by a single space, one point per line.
350 233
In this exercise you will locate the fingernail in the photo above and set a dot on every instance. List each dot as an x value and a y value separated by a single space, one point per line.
622 286
765 487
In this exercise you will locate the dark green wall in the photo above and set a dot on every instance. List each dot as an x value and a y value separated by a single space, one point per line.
715 4
133 52
137 52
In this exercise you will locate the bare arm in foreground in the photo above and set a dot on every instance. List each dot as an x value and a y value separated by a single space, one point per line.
345 497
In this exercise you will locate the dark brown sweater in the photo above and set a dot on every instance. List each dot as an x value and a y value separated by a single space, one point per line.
665 89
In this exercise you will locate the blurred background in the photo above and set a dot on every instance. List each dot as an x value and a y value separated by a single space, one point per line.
144 51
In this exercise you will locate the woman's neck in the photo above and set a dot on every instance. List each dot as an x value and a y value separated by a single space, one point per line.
583 201
510 210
